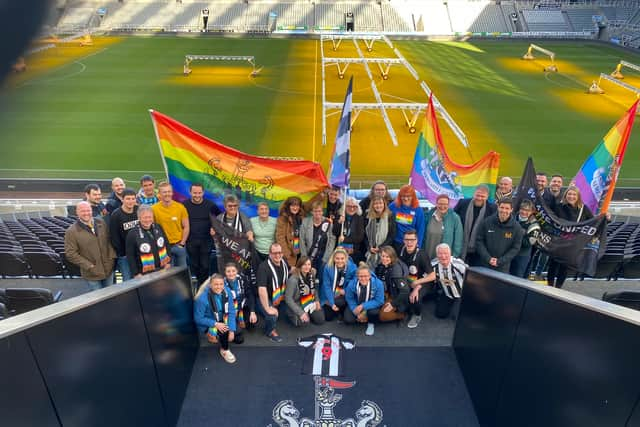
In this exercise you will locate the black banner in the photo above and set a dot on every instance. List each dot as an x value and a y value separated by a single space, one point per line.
576 244
233 246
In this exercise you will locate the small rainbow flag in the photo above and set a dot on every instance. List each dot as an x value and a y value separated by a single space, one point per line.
597 177
434 172
306 301
277 295
191 157
404 218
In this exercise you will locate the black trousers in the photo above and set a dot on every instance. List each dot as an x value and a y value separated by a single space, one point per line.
373 316
556 273
198 251
329 314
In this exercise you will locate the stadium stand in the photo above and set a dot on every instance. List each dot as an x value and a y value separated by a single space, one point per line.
490 18
545 20
582 19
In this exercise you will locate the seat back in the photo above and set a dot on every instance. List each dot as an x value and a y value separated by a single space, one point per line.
21 300
629 299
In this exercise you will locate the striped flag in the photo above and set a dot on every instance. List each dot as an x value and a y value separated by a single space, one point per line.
339 172
597 177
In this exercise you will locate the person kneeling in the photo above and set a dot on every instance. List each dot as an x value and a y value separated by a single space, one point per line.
449 273
215 314
365 296
301 295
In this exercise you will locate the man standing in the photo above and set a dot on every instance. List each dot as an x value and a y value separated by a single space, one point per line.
472 212
271 279
174 220
115 199
201 212
505 188
499 239
555 188
147 194
93 195
123 220
543 191
146 245
420 275
86 244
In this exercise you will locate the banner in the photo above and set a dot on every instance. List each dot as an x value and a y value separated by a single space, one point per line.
597 177
434 172
190 157
232 246
576 244
339 173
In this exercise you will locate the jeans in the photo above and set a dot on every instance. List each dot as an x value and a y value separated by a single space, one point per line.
178 255
198 251
269 319
99 284
519 265
122 264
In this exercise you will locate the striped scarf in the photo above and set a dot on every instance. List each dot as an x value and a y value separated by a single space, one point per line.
278 287
306 287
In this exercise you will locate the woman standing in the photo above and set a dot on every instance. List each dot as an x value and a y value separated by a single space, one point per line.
443 226
264 231
215 315
571 209
408 215
316 237
301 295
380 229
338 272
349 228
288 228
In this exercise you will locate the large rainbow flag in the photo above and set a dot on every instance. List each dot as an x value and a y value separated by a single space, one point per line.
433 172
597 177
190 157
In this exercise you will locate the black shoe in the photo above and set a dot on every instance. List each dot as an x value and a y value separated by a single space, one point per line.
238 338
275 337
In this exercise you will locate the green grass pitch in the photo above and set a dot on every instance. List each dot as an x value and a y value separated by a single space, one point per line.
83 112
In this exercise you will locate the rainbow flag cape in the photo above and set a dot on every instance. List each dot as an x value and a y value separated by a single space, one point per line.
190 157
597 177
433 172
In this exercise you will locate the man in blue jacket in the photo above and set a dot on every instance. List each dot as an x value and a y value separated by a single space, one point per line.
365 296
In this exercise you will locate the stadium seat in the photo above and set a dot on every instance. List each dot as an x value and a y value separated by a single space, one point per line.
629 299
13 264
44 263
21 300
71 269
4 312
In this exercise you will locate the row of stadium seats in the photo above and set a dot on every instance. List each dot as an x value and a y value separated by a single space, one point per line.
395 16
15 301
621 258
35 248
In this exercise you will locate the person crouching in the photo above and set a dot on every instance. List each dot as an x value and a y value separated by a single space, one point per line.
214 314
365 296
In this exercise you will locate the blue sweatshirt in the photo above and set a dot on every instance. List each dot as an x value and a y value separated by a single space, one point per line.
408 218
203 312
377 294
326 291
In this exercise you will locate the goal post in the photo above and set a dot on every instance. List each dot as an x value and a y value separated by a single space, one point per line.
617 73
552 56
596 89
188 59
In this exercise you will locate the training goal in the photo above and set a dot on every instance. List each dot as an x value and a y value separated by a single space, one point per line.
596 88
617 73
188 59
552 67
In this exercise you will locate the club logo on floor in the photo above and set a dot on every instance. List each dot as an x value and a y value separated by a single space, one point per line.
324 360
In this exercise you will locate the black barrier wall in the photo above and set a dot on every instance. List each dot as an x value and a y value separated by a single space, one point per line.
120 356
538 356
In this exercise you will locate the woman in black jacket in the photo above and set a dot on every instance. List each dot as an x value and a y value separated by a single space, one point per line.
392 272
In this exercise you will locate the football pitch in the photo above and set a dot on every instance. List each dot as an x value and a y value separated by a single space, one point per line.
83 112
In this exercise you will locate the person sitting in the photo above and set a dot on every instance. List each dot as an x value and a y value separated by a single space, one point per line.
393 274
449 274
244 299
336 275
301 295
214 314
364 296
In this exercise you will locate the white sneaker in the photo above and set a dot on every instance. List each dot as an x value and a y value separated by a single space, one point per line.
228 356
371 329
414 321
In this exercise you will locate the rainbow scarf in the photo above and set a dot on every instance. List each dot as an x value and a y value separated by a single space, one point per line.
148 262
597 177
308 302
190 157
433 172
278 288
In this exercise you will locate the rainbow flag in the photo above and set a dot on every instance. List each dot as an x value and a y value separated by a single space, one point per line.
190 157
597 177
433 172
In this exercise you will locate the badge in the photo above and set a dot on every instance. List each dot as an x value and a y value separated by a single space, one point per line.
145 248
324 227
413 269
160 242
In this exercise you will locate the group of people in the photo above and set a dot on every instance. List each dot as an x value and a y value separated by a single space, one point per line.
366 262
